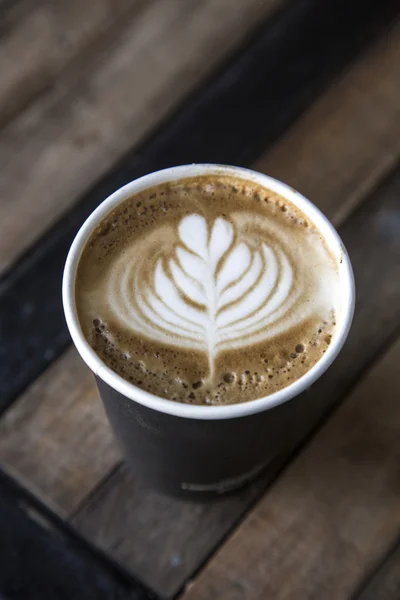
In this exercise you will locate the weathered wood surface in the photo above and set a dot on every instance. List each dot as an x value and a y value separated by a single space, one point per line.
331 514
349 165
106 103
183 536
81 85
353 131
41 560
385 581
371 238
40 39
56 439
161 540
244 107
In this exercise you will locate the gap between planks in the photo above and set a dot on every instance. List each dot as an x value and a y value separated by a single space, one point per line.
354 130
384 584
42 559
54 418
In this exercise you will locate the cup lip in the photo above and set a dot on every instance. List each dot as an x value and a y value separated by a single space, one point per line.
191 411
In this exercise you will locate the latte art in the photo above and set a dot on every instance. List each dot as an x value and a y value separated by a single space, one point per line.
209 290
217 290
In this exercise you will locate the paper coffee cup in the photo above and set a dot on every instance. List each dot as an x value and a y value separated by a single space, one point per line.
185 448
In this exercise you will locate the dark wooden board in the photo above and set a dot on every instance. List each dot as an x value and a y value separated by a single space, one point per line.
330 516
63 413
40 560
349 139
56 439
159 539
238 114
372 239
162 540
384 583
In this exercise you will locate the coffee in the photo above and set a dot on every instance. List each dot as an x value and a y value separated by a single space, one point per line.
208 290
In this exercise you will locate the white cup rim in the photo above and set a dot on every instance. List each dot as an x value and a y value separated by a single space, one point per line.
191 411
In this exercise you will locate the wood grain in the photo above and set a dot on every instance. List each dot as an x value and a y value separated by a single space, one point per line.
356 123
371 238
38 40
385 582
57 437
348 166
244 107
59 146
162 540
331 514
42 560
187 534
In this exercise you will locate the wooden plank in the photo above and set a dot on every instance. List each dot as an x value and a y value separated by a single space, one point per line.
38 40
249 98
161 540
370 239
56 376
108 103
57 439
385 582
356 123
331 514
126 532
41 560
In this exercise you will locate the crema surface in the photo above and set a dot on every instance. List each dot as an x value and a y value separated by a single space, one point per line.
209 290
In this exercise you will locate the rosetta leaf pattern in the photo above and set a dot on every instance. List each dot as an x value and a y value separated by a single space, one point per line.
219 289
218 285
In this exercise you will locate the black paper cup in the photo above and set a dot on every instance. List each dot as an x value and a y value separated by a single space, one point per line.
186 449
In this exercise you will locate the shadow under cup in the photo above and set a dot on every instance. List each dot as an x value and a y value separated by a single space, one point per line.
203 451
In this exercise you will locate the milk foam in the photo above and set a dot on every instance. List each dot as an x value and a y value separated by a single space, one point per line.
234 283
208 290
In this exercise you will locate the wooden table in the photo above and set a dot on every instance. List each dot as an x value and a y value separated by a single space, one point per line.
95 93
